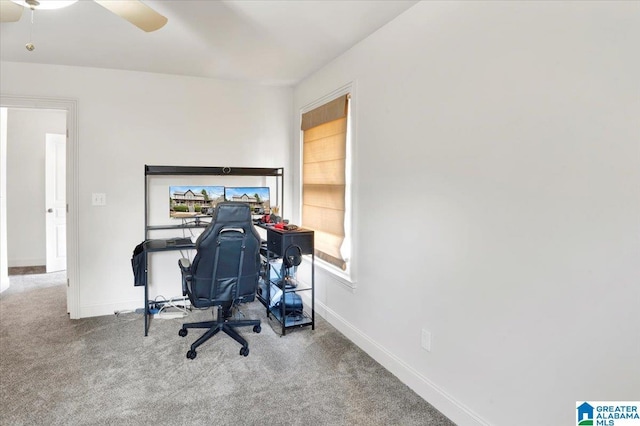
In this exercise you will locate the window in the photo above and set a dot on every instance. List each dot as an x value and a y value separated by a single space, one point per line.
324 179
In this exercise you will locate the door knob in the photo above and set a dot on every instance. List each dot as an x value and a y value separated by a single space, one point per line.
49 210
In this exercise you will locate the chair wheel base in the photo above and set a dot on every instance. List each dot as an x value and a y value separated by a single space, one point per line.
244 351
183 332
191 354
257 328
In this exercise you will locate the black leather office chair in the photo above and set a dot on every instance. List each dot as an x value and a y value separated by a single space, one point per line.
224 273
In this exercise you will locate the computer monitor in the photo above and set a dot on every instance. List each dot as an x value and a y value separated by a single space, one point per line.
193 200
258 197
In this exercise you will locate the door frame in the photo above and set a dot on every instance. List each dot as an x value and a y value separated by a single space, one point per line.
72 184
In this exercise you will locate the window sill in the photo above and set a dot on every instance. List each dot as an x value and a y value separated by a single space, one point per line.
332 273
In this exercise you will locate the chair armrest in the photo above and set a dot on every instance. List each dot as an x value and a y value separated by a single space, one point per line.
185 264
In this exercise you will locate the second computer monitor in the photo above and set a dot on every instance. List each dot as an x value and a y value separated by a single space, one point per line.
257 197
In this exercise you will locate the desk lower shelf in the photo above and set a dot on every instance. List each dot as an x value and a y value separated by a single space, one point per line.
291 320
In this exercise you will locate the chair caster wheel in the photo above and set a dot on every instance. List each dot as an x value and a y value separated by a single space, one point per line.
257 329
183 332
244 351
191 354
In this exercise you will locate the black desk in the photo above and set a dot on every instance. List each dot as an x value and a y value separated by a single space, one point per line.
151 246
278 240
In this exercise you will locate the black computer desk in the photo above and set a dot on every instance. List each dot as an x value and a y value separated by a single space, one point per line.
276 244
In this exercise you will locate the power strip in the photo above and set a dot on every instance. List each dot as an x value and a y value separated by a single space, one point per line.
169 315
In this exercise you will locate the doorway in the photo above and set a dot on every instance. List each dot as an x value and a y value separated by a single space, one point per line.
69 107
35 174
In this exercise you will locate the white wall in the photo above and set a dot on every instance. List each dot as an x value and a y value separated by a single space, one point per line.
129 119
26 133
497 184
4 276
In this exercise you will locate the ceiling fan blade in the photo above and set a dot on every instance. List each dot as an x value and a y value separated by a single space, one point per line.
10 11
136 12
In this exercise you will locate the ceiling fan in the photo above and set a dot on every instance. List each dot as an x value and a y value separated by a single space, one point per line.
134 11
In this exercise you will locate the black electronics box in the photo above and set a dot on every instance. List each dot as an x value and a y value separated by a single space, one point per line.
292 304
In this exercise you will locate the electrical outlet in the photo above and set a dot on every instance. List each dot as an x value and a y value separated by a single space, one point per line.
426 340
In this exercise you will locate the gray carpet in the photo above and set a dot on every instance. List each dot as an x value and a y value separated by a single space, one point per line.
103 371
29 281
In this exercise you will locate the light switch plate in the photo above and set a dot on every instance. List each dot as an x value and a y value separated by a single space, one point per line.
98 199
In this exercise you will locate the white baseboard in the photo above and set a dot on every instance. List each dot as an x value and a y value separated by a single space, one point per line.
429 391
111 308
19 263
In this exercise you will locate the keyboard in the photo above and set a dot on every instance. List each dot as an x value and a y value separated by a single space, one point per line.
171 242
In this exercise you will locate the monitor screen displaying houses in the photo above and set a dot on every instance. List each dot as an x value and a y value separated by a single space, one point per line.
256 196
189 201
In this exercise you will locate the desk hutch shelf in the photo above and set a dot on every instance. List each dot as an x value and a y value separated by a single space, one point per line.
277 173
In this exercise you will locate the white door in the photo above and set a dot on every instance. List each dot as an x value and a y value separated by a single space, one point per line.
55 189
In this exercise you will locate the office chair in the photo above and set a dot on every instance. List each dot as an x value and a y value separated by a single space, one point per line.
224 273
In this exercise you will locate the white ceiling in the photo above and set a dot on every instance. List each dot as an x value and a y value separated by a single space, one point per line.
271 42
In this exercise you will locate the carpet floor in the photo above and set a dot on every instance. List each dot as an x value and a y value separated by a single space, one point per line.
103 371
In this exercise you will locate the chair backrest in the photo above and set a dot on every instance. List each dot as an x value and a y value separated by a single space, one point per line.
227 262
